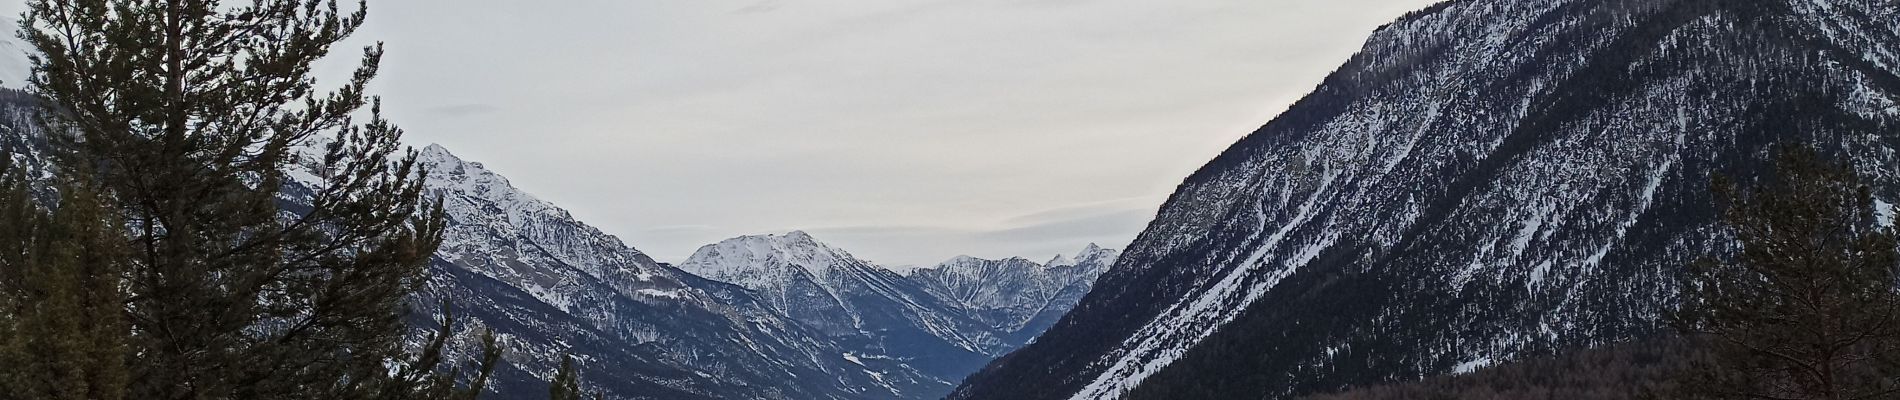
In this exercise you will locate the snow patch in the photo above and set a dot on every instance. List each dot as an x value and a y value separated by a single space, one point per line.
1883 212
1471 366
668 294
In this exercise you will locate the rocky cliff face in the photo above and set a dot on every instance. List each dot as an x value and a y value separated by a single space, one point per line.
1487 180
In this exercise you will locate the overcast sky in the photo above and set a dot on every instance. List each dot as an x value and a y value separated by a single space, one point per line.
905 131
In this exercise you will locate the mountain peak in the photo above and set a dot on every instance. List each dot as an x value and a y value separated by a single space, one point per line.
966 260
1089 253
794 243
435 153
963 259
741 258
444 165
1059 261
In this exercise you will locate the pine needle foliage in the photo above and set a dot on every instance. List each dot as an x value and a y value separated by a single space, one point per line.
62 331
174 124
1807 308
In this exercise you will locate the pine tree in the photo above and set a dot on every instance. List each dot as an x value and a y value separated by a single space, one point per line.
62 334
1807 309
567 384
18 218
180 118
421 377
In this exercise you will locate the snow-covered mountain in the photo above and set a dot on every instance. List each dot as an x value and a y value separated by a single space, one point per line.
881 314
1487 180
551 285
1016 298
839 294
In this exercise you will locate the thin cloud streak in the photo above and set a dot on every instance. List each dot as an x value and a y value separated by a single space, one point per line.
1035 236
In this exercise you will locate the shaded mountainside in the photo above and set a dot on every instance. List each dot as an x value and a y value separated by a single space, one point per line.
1488 180
939 323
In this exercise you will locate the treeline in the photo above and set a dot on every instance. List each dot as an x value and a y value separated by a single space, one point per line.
1619 372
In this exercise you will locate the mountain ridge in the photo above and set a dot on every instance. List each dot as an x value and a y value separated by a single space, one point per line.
878 312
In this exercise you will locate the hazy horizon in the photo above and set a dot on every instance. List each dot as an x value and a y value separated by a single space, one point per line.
906 132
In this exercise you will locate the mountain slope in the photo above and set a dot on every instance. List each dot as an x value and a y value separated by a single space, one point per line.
1487 180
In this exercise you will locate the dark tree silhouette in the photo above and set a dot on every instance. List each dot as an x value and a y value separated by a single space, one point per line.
1806 308
62 330
567 383
173 124
1627 371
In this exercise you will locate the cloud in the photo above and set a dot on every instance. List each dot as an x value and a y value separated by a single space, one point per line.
1081 229
1096 208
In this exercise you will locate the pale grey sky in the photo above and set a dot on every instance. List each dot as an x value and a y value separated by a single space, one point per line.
905 131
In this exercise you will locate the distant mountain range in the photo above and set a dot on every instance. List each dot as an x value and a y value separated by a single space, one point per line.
554 285
940 322
1015 298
